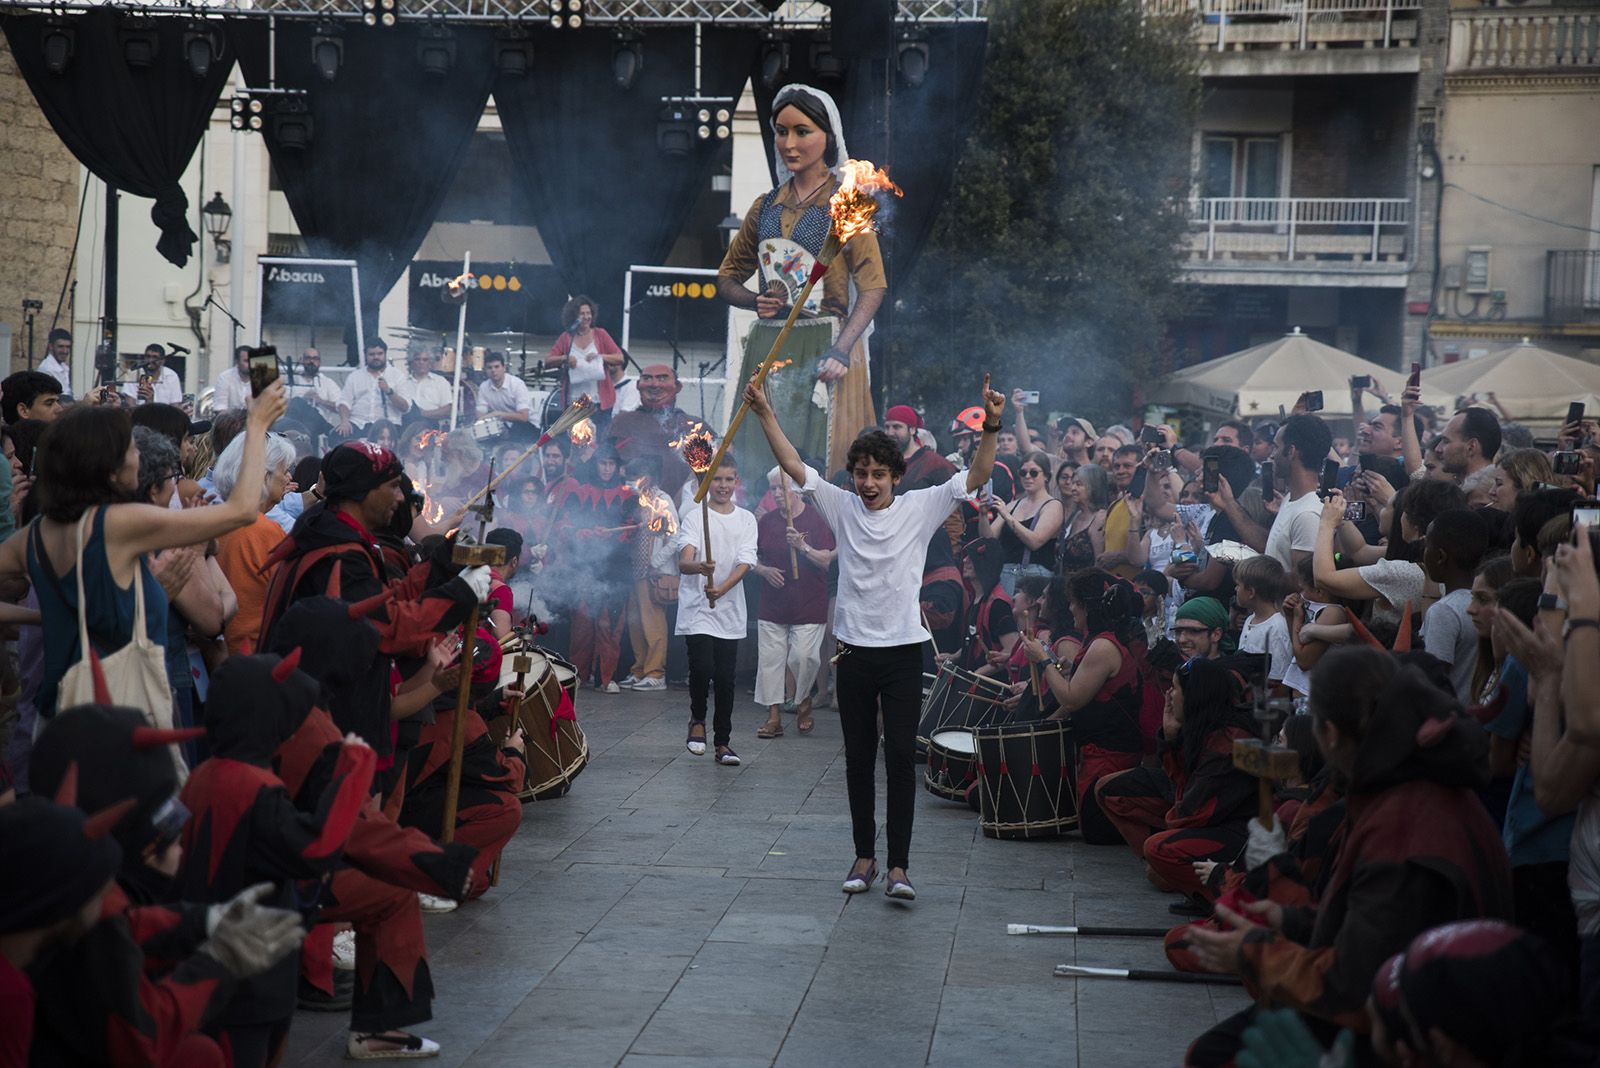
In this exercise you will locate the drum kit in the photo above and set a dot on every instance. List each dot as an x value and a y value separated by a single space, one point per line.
1017 776
557 750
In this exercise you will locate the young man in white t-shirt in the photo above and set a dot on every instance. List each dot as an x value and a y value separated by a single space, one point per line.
882 543
711 613
1303 444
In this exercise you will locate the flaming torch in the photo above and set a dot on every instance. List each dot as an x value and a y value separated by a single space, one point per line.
577 412
702 459
582 435
853 206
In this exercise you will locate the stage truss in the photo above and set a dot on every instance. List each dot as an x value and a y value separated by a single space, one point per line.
797 14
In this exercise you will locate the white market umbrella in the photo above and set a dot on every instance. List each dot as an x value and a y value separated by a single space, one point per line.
1252 383
1532 384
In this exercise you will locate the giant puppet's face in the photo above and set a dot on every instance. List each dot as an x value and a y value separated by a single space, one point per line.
800 142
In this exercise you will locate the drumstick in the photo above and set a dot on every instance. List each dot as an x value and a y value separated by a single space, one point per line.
575 414
788 521
1085 971
1031 618
1086 932
931 640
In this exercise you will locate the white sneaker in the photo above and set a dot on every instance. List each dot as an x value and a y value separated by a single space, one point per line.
611 687
430 903
344 951
415 1047
650 685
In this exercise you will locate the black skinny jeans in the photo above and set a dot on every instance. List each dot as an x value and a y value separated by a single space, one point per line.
711 665
868 678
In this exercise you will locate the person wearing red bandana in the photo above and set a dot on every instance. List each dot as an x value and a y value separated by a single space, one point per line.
924 467
362 490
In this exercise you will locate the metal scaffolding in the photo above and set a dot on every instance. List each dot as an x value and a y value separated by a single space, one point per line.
798 14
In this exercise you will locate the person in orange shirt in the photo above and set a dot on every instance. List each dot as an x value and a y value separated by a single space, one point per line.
242 554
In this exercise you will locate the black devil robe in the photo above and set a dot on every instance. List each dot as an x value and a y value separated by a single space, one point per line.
245 827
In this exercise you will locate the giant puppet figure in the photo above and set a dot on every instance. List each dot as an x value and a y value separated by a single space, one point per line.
823 399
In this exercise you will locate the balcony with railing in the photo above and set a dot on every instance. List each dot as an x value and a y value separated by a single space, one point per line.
1572 286
1515 40
1337 237
1232 26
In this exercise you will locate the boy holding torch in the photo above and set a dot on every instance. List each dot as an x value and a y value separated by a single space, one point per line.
882 540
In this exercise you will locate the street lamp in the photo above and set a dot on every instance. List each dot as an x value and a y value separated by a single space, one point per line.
218 216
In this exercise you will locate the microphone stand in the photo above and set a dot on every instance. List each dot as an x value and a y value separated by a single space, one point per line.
211 299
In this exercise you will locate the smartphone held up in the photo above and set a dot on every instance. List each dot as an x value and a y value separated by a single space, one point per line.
263 368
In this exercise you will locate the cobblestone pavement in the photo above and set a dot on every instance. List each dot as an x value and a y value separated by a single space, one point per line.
671 912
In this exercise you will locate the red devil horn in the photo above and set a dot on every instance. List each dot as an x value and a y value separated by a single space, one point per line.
102 692
100 824
1402 641
363 609
155 737
335 583
67 792
1364 634
286 666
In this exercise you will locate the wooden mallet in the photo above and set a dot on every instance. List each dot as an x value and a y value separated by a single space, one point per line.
465 555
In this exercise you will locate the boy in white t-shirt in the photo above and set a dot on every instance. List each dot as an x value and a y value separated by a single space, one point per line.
882 543
1259 588
711 612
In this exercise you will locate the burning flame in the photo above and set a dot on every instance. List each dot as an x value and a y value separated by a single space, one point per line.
688 434
455 284
438 513
698 450
862 190
657 510
430 439
779 365
582 435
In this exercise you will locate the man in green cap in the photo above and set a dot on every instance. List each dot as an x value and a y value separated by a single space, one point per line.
1199 627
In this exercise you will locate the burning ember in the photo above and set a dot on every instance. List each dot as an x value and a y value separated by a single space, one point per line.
431 439
698 450
582 435
459 282
862 191
655 511
780 365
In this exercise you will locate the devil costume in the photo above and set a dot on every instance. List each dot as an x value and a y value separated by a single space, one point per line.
1417 850
386 862
246 828
133 991
430 599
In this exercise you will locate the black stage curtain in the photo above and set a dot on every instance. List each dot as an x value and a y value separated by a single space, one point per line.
387 140
928 127
134 127
601 192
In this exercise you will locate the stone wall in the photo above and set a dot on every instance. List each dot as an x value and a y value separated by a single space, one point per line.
38 214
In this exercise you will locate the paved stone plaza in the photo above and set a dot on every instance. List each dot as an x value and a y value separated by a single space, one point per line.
671 912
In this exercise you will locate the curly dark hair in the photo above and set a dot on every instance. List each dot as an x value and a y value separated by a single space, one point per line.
1109 603
569 311
876 447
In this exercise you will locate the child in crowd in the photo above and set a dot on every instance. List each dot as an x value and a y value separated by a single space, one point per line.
1456 542
711 609
1259 589
1160 598
1315 623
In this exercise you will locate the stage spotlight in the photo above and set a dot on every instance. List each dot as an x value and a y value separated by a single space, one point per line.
674 135
245 112
291 124
825 66
139 48
574 14
513 53
913 58
327 52
723 115
774 58
379 12
436 50
58 44
201 47
627 57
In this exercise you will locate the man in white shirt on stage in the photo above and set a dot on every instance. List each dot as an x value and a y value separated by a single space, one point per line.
57 362
157 383
318 390
369 393
503 396
427 393
232 390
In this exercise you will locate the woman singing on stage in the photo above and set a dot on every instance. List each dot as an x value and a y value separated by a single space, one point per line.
824 399
584 351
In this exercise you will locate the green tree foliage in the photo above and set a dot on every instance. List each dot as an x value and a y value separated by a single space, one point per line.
1054 262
